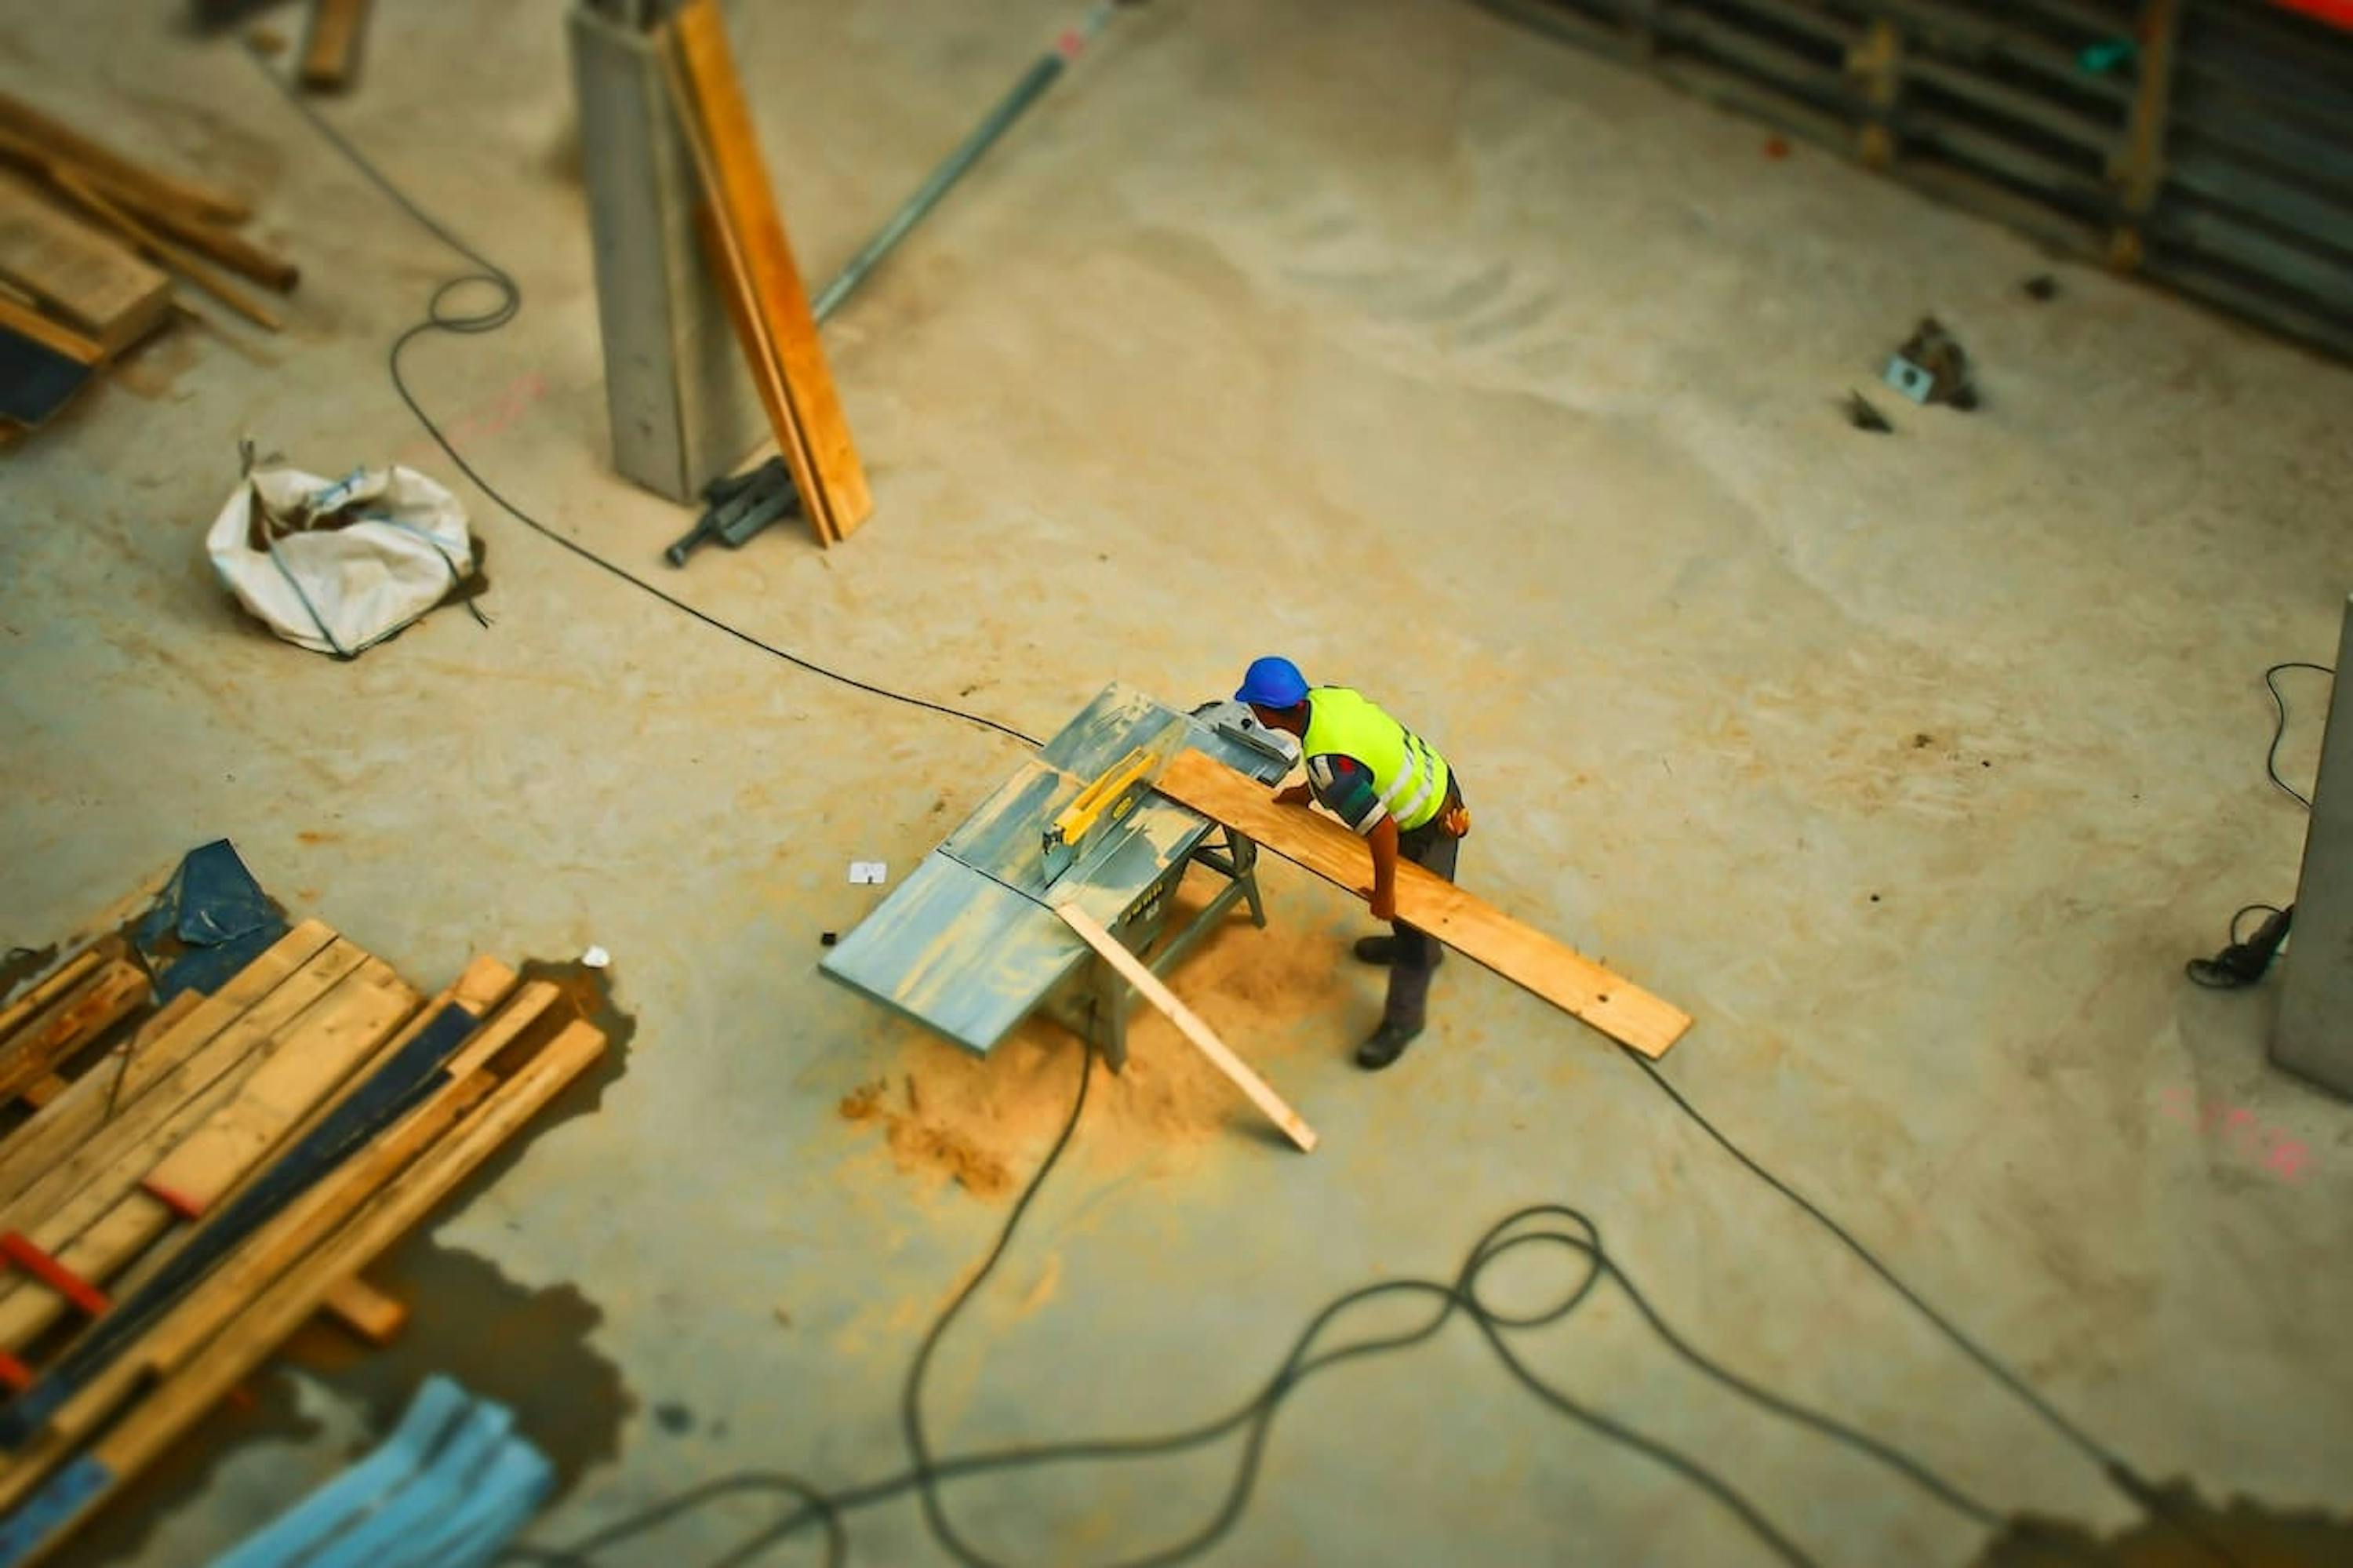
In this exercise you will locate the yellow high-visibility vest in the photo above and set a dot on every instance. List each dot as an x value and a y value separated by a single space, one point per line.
1408 773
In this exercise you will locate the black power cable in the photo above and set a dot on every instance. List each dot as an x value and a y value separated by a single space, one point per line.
504 302
1541 1225
1581 1238
2243 959
2279 727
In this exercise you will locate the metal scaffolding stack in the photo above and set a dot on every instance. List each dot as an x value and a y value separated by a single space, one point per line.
2208 143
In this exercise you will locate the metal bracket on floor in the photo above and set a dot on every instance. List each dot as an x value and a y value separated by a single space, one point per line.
740 506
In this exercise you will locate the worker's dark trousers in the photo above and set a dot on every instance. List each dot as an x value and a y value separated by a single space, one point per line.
1435 849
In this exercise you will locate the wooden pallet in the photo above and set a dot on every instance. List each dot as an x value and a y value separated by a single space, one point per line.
175 1213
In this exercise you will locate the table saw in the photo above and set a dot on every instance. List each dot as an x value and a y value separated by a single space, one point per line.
970 944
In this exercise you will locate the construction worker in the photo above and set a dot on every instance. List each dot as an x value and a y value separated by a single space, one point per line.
1391 787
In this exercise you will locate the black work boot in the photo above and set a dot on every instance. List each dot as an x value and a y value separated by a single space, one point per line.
1384 950
1387 1044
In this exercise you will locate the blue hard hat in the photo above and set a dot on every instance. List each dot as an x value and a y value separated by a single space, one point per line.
1272 683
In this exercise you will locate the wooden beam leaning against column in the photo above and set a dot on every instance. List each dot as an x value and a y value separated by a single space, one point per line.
760 280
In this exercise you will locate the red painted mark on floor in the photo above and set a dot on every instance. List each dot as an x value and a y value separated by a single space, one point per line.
493 415
2274 1150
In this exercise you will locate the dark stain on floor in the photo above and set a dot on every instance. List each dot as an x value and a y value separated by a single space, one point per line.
22 964
264 1407
2186 1532
526 1348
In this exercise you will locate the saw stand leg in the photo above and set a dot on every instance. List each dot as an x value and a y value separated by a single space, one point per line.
1108 999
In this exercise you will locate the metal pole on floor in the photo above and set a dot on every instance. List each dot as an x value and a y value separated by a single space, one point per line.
1026 91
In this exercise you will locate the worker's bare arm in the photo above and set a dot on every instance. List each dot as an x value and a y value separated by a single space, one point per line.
1382 895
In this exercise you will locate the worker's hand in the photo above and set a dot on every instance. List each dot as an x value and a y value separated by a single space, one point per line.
1297 795
1382 899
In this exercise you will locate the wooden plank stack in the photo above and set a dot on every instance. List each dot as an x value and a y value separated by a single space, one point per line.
171 1216
90 244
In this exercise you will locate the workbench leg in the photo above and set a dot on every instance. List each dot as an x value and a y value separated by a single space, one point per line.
1110 1008
1244 854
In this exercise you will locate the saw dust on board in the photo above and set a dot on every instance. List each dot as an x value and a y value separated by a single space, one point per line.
1277 996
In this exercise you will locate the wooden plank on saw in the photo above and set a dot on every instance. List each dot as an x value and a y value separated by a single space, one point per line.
1479 931
132 178
292 1233
72 1493
763 284
1188 1023
332 52
69 1025
187 1023
99 288
65 977
100 1232
111 1162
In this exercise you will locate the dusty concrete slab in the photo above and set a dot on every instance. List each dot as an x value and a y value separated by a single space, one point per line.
1463 368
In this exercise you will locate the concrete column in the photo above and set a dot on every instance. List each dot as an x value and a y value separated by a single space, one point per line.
2313 1035
683 404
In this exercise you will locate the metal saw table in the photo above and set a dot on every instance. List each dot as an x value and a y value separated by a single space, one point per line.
970 944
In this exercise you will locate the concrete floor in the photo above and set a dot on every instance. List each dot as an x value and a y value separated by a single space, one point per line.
1470 370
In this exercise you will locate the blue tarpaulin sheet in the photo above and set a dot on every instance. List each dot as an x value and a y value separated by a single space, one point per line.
211 921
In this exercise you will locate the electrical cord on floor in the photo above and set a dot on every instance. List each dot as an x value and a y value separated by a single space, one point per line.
2279 727
504 301
2243 961
1577 1234
1547 1225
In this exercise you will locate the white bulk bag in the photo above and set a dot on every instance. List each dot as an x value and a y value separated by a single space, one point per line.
338 566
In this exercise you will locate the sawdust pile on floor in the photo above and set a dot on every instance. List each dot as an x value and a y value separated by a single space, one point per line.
1279 997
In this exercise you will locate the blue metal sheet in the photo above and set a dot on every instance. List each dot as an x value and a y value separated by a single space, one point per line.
952 949
970 944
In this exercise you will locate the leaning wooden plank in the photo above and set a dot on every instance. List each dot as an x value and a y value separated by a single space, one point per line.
61 980
834 489
203 200
135 233
1520 953
98 287
35 1148
1190 1023
71 1495
723 248
333 51
69 1025
100 1230
287 1235
130 1144
283 1091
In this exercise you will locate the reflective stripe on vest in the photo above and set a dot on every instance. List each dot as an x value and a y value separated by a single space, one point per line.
1408 773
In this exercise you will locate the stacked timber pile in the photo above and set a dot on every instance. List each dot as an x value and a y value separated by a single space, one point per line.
90 243
175 1212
